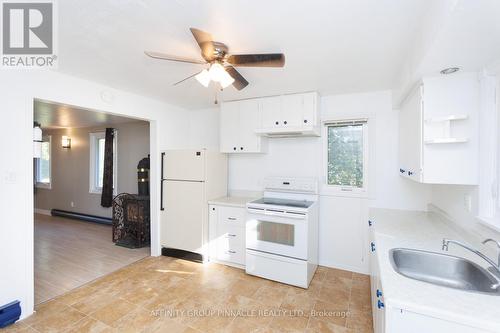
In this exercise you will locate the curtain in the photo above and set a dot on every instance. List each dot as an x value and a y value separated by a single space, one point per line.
107 177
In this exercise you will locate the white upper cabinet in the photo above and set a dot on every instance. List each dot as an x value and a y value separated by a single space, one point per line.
245 124
238 121
438 131
271 112
290 115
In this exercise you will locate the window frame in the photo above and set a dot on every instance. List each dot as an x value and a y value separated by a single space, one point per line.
93 142
341 190
489 166
39 184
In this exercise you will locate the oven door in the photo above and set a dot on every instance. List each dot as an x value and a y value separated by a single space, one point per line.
277 232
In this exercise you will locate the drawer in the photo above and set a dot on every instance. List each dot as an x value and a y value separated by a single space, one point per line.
231 246
231 255
232 216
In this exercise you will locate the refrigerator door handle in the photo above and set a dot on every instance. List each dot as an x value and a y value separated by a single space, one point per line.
161 182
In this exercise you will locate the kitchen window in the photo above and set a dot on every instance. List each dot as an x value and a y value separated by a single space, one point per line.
97 141
346 152
43 164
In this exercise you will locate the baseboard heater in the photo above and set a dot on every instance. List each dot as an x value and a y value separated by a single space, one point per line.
181 254
81 216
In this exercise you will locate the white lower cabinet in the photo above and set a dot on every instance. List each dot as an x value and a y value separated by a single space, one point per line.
396 320
227 234
399 320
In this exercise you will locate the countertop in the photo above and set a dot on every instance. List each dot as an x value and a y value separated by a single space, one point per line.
425 231
231 201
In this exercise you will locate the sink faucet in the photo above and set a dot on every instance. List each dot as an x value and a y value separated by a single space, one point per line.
495 266
498 246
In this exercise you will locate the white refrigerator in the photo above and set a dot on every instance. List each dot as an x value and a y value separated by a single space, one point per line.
189 178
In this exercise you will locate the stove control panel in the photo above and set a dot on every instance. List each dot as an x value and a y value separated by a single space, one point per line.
296 185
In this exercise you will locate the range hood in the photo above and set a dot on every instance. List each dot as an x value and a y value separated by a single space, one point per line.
288 132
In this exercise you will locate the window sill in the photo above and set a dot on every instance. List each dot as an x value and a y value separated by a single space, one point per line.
45 186
492 223
337 191
94 191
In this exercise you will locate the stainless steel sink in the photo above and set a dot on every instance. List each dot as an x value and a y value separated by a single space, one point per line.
444 270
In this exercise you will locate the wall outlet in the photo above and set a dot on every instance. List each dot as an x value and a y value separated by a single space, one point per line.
72 204
468 202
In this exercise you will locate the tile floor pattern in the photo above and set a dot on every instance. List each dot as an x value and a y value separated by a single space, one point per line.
137 297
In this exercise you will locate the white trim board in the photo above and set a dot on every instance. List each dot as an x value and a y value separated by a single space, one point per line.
42 211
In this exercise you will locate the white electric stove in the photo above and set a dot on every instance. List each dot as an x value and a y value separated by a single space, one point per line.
282 231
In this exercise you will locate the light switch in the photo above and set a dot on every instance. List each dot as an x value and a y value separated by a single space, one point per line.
10 177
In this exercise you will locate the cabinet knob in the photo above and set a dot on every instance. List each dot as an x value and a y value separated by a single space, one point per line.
372 245
380 304
277 123
410 173
234 148
241 148
305 121
285 122
379 293
213 208
402 170
370 223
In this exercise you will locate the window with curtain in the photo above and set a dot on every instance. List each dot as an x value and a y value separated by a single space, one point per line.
97 141
43 164
346 155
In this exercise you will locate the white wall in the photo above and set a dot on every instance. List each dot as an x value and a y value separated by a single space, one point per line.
70 168
168 130
342 219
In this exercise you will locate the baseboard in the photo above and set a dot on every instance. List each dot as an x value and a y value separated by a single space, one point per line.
42 211
81 216
345 267
181 254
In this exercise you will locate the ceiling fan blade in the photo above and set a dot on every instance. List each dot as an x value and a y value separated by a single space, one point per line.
239 81
205 42
190 76
257 60
163 56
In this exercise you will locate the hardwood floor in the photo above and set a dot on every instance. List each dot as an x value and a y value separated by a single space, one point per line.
70 253
162 294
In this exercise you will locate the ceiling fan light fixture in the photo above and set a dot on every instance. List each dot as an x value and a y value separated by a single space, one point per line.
217 72
203 77
226 81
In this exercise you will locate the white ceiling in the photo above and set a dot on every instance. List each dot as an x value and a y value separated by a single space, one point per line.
53 115
332 46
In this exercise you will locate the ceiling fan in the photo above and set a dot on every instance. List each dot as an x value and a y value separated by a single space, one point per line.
221 63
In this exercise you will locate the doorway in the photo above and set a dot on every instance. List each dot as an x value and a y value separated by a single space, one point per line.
72 231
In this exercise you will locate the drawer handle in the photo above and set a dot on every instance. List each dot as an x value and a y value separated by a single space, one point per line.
231 235
232 218
231 252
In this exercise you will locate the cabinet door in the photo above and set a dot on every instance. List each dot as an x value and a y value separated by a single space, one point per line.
292 114
410 136
310 110
229 122
271 112
249 120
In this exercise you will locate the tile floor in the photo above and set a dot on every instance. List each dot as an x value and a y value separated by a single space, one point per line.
171 295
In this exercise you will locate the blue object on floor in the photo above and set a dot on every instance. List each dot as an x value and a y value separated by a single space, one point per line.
9 313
